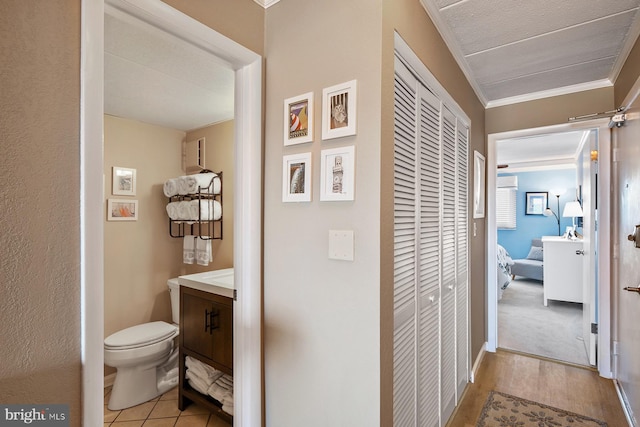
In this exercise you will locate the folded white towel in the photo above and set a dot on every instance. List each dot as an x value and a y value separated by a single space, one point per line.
171 187
223 386
196 382
188 249
203 252
208 373
191 183
205 210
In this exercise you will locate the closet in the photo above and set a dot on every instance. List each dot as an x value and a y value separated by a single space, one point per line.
431 321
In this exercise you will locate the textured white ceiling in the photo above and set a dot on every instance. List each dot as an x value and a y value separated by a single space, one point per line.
517 50
157 78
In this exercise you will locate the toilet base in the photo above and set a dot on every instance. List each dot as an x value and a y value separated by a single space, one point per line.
133 386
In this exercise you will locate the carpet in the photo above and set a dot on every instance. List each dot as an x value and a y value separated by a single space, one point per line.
526 325
504 410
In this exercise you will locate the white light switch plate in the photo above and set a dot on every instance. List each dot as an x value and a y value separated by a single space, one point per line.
341 245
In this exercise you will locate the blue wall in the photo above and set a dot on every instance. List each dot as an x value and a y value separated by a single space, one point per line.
517 242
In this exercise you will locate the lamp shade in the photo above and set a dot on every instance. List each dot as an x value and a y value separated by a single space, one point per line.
572 210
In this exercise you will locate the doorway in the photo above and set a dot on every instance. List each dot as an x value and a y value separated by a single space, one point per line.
602 297
247 221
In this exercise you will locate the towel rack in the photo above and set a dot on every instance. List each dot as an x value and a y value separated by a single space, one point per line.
203 228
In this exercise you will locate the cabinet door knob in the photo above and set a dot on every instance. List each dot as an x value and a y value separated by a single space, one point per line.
580 252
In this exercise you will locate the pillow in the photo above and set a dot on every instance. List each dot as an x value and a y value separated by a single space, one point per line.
535 253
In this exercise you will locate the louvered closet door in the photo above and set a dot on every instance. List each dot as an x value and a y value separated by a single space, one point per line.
404 245
429 259
462 267
448 316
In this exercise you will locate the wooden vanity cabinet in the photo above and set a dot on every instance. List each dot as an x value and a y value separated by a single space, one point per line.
206 334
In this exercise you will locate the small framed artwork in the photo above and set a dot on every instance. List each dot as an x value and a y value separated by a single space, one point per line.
339 110
124 181
122 210
296 178
337 176
298 119
536 203
478 184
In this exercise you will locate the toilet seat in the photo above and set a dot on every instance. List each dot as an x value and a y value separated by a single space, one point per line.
140 336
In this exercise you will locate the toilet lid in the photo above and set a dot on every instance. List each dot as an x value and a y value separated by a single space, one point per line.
140 335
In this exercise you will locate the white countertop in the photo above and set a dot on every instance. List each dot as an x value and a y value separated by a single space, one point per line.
219 282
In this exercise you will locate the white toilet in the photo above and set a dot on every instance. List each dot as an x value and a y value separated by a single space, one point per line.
146 358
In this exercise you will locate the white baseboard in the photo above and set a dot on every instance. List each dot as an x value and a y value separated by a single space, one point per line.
624 402
109 379
476 364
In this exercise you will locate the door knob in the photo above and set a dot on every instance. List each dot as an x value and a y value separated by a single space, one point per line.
632 289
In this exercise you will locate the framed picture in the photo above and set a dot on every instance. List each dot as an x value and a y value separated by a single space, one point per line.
478 184
536 203
124 181
339 110
122 210
298 119
337 176
296 178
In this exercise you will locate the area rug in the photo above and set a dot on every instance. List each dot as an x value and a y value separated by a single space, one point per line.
504 410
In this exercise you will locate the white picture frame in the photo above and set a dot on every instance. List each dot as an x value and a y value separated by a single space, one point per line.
122 210
478 185
123 181
298 119
339 110
296 178
337 175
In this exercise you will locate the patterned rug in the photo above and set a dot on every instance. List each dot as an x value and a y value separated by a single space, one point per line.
504 410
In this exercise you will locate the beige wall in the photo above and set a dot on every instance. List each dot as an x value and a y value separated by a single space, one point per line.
240 20
40 238
411 21
219 158
322 316
628 75
548 111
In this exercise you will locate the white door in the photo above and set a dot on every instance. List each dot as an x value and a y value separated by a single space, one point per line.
589 173
627 196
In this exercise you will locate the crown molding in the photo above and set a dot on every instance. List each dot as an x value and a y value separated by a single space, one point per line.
597 84
266 3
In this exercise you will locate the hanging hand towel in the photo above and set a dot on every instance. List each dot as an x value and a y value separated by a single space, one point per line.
203 252
188 249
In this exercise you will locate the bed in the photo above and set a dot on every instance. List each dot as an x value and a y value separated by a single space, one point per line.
505 263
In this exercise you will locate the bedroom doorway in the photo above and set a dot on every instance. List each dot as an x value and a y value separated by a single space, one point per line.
518 318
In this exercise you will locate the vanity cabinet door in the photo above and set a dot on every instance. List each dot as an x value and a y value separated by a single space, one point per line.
206 326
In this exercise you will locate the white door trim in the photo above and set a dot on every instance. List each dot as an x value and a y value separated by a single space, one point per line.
604 184
247 216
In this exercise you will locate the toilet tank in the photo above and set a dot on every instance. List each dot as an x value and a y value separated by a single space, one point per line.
174 292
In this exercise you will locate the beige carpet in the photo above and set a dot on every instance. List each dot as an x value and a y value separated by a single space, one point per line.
504 410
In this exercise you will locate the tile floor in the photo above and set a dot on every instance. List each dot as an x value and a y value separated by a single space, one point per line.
161 412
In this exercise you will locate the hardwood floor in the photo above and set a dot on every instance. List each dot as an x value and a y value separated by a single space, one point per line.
568 387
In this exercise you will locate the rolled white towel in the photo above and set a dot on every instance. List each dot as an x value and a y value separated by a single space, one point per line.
205 210
171 187
184 211
191 183
172 210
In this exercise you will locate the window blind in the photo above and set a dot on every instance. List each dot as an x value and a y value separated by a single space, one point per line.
506 208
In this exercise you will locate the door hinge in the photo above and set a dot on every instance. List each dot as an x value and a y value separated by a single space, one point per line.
235 295
594 328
